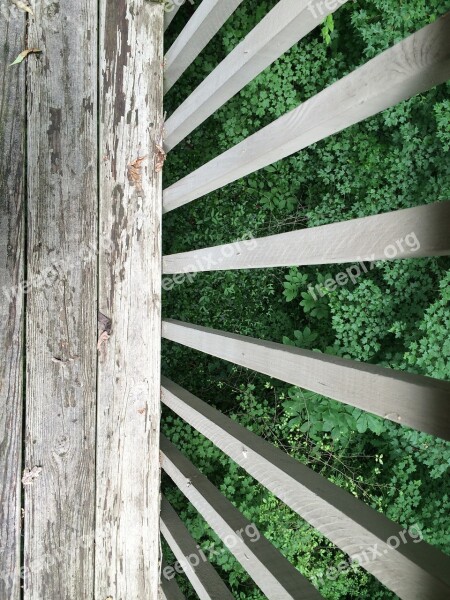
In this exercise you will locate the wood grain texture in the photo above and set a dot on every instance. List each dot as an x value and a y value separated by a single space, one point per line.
200 29
413 66
128 470
287 23
268 568
62 300
413 400
380 237
202 575
12 140
414 571
169 587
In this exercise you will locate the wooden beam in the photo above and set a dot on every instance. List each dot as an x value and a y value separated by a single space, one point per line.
169 587
287 23
61 315
200 572
12 143
200 29
413 400
413 66
268 568
128 473
170 10
413 570
408 233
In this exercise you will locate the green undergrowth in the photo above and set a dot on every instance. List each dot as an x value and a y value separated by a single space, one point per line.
396 314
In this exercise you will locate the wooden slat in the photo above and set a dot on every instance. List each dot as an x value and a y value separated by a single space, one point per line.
413 571
201 28
276 577
12 140
127 547
171 9
415 65
413 232
414 400
287 23
62 300
202 575
169 587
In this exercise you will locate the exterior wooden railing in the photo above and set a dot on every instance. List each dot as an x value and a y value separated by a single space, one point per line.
413 572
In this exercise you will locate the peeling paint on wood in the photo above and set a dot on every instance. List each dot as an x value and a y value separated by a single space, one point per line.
127 549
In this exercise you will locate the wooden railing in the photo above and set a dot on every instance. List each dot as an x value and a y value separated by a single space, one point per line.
413 66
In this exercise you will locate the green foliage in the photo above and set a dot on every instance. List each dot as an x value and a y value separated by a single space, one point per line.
395 315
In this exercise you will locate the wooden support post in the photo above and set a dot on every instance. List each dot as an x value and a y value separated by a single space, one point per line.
412 400
12 141
412 570
200 572
127 546
169 587
287 23
268 568
415 65
409 233
200 29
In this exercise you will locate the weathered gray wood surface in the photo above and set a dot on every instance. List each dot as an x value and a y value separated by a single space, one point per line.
62 301
200 29
127 546
287 23
414 571
203 577
409 233
414 400
169 587
12 139
415 65
268 568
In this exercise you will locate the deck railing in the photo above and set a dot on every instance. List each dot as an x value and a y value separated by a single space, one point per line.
81 203
421 61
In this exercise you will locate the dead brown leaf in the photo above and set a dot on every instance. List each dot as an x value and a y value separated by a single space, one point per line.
135 174
160 158
24 54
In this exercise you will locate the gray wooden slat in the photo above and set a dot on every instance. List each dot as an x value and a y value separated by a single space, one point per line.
171 9
128 471
268 568
169 587
62 300
415 65
408 233
200 29
287 23
200 572
12 141
413 400
414 571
